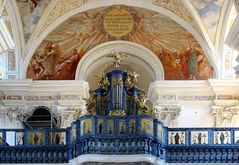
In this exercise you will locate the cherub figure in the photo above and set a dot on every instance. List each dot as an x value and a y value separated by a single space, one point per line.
117 56
132 79
141 99
103 80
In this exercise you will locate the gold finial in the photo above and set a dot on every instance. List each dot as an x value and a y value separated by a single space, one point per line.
117 56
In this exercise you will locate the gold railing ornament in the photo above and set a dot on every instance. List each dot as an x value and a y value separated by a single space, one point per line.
91 103
153 112
117 57
117 113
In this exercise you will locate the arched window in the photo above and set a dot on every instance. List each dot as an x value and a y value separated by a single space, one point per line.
41 118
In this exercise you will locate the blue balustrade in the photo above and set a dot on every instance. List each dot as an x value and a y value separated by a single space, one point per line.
118 124
86 136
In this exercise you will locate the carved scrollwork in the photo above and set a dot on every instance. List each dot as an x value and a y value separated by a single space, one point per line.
117 113
117 81
224 114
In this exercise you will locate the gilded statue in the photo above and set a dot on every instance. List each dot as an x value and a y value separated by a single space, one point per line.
142 99
103 80
91 103
117 56
131 79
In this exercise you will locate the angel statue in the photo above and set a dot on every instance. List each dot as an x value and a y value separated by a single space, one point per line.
103 80
141 99
91 103
132 79
117 56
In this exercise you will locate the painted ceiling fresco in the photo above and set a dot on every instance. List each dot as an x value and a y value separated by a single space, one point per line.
209 11
30 12
58 55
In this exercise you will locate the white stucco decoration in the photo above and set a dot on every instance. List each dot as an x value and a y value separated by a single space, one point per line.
97 57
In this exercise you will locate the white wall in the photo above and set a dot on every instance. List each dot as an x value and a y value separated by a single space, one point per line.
195 116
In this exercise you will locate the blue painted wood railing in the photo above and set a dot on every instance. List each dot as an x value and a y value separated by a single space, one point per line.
111 135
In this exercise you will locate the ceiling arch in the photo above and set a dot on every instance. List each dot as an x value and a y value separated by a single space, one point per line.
174 17
140 59
174 31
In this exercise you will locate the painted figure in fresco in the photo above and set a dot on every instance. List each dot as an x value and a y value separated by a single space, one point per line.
48 61
37 66
33 4
204 68
199 138
176 138
192 63
222 138
100 128
68 65
0 140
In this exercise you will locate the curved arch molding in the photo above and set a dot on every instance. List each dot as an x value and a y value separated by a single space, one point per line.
97 57
165 37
